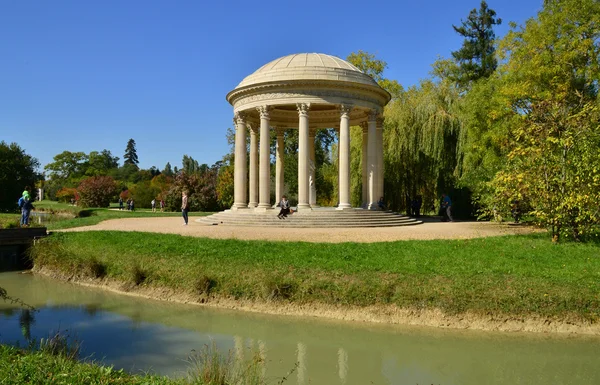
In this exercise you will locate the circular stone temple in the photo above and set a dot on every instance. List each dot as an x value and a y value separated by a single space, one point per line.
305 92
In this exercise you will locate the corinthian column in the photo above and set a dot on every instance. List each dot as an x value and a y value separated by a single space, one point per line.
379 131
239 183
303 156
344 149
279 164
264 192
253 167
372 160
312 193
364 164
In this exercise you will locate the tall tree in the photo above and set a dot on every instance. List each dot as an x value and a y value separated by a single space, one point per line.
550 88
17 170
168 170
476 59
131 153
190 165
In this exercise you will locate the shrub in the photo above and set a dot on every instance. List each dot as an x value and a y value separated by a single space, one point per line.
65 194
97 191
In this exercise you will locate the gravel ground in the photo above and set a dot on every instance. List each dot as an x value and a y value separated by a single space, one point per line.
430 229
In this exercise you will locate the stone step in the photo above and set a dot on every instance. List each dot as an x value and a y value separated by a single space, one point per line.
326 218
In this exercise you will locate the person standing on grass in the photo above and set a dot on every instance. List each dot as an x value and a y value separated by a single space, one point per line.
120 203
153 204
185 207
26 207
162 205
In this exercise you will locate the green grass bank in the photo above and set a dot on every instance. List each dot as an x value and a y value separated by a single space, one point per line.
51 365
515 276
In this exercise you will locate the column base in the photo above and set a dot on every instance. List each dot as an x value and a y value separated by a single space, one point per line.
252 204
373 207
343 206
303 207
239 206
262 209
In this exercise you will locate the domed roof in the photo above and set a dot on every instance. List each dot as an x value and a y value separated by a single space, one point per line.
307 66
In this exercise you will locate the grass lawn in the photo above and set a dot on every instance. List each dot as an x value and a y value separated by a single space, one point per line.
76 216
511 275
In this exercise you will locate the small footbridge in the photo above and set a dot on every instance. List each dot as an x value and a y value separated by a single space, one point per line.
14 244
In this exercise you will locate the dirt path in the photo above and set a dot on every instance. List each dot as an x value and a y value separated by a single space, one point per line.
429 230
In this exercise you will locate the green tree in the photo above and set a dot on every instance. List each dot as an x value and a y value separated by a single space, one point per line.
101 163
17 170
421 132
550 89
190 165
476 58
168 170
67 165
131 153
374 67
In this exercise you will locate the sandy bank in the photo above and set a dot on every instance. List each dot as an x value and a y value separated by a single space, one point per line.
389 314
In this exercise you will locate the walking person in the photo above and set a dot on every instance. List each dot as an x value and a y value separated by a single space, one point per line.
120 203
162 205
153 204
185 207
446 208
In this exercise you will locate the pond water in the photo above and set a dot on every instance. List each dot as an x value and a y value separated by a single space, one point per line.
143 335
42 217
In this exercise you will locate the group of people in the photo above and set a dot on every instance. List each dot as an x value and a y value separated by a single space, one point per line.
130 204
153 205
26 207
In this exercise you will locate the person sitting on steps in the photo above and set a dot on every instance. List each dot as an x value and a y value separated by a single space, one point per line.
381 204
285 207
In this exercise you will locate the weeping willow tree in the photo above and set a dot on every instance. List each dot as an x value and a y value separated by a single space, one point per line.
421 143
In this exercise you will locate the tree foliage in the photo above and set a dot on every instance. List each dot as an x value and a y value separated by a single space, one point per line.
17 170
476 58
131 153
97 191
550 87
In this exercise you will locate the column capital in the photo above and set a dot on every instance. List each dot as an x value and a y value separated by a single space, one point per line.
279 131
365 127
373 115
264 112
312 132
379 122
345 109
303 108
239 118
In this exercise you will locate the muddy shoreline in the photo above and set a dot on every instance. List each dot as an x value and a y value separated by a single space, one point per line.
384 314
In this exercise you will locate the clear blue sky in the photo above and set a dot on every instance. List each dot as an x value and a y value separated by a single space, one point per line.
89 75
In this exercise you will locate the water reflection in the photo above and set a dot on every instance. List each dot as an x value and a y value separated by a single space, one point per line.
141 335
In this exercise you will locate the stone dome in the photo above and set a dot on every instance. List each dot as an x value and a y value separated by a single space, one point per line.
307 66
